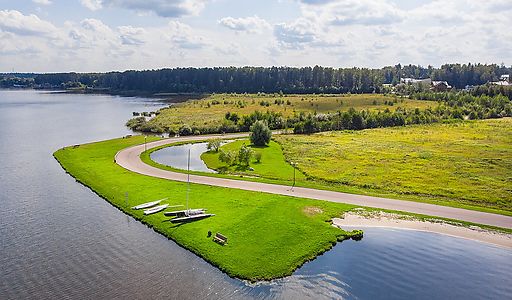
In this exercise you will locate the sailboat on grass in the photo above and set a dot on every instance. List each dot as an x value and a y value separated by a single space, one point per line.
188 215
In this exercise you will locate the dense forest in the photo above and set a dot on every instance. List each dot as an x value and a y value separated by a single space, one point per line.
270 80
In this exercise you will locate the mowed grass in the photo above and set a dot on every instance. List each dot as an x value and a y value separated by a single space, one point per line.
465 162
272 164
211 110
269 235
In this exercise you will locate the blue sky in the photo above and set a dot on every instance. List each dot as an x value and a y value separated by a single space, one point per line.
105 35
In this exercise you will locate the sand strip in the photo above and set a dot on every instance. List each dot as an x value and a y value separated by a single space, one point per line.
359 220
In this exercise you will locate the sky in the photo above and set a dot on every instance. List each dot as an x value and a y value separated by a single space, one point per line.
117 35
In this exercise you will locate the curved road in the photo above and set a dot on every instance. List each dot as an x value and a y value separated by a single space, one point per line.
129 158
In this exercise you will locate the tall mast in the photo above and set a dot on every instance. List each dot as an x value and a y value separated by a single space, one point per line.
188 178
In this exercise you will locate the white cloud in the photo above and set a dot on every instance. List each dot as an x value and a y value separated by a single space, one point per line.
183 36
295 34
352 12
327 32
92 4
253 24
132 35
162 8
42 2
18 23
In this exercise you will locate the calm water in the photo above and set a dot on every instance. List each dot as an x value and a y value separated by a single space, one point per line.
177 156
60 240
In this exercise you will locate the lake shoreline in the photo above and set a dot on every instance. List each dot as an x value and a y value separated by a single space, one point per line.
381 219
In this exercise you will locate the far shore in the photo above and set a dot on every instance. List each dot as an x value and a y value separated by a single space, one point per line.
358 220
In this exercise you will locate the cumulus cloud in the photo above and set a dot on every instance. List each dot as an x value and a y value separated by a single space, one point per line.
42 2
253 24
352 12
328 32
163 8
92 4
295 34
182 36
18 23
131 35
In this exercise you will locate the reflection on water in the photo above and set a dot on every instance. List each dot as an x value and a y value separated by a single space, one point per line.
400 264
60 240
176 157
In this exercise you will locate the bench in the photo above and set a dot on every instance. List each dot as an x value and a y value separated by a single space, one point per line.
219 238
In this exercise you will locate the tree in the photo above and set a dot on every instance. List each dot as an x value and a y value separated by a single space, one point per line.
244 155
227 157
260 133
213 145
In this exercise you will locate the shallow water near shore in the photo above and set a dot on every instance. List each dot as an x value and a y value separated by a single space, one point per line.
60 240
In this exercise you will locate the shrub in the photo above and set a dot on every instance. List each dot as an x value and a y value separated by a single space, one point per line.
213 145
257 156
244 155
185 130
227 157
260 133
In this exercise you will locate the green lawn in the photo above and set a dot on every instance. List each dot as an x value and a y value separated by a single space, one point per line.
269 235
467 163
272 164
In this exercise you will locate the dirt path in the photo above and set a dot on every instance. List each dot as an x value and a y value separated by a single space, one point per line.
129 159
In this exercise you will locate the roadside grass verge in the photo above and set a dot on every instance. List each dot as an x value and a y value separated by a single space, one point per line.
269 236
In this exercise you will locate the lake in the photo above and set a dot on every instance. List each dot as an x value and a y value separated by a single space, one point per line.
60 240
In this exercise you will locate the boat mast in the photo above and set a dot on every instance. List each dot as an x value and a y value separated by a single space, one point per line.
188 179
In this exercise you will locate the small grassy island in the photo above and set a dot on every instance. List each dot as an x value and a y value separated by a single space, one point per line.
269 235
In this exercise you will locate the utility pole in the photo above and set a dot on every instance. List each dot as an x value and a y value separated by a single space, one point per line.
293 164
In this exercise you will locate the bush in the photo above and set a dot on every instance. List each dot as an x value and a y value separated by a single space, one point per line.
257 156
244 155
227 157
185 130
260 133
213 145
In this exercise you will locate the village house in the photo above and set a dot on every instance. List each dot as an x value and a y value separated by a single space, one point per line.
504 80
440 86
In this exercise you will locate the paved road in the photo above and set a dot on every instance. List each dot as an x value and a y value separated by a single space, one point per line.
129 159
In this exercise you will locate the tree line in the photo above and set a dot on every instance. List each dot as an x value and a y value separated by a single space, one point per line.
273 79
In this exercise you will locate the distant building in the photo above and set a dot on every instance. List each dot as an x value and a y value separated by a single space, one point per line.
504 80
440 86
426 81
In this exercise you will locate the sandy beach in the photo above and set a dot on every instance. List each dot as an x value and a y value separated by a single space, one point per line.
359 220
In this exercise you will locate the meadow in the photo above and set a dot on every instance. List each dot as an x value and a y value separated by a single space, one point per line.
211 111
467 163
269 236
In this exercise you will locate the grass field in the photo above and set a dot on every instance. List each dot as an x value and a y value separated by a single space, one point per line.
211 110
272 164
464 162
269 235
